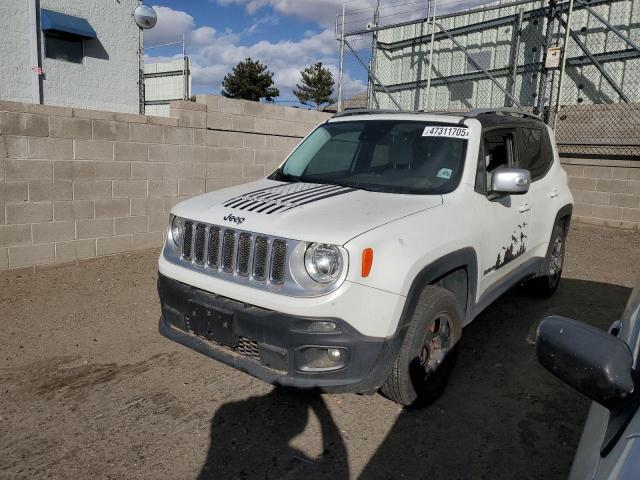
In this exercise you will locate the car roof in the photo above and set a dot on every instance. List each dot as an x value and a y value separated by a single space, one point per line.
488 118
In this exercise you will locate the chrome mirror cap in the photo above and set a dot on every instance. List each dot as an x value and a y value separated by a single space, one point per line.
510 181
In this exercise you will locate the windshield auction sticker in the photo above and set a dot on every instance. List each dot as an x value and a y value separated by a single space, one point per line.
449 132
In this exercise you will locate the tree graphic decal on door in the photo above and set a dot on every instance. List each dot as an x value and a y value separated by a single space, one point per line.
509 253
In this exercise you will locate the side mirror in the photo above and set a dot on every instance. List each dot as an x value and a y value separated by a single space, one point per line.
592 361
510 181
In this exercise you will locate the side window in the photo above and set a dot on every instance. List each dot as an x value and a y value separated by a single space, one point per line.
497 151
535 152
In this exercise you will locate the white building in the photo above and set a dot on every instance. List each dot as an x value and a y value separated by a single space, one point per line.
165 82
70 53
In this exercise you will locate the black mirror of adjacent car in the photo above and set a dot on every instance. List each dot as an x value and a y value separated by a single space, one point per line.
509 181
592 361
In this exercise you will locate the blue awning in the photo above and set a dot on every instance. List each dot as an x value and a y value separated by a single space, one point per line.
59 22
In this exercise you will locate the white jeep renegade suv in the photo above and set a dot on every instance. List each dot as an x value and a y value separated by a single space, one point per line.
355 266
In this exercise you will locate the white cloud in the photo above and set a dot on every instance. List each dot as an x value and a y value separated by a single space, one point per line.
172 24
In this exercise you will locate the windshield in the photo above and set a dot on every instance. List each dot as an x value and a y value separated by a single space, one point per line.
382 155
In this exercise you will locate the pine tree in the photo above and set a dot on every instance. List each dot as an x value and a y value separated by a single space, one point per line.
317 86
250 80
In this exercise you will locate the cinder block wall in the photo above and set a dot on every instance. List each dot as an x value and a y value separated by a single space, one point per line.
77 184
606 192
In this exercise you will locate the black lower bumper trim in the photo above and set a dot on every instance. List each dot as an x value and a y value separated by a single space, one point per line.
267 344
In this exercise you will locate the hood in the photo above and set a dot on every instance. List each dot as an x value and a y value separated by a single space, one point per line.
303 211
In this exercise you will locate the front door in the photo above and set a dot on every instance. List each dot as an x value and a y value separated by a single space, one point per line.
505 221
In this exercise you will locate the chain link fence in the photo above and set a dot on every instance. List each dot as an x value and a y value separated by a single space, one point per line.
509 54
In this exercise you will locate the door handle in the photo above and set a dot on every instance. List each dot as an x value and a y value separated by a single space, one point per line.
525 207
554 193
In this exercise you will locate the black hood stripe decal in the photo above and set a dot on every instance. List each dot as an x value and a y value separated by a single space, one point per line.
284 197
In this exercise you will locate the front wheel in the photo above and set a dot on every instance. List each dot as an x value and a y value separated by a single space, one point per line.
547 283
428 352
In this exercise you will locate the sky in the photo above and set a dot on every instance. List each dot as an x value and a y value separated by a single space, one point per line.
286 35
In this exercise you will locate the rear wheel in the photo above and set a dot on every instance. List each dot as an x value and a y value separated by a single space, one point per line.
428 351
546 284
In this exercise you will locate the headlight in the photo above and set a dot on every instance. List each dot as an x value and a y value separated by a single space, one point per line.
323 262
177 230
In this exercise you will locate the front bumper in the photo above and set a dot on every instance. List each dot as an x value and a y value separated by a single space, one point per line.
269 345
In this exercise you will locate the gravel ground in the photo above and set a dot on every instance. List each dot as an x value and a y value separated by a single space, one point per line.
89 389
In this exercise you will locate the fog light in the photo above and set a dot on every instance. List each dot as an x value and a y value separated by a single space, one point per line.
319 359
334 354
322 327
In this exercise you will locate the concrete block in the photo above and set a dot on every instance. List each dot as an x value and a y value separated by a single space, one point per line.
582 209
252 172
91 189
144 170
93 114
105 130
199 170
64 127
132 152
164 121
191 187
40 191
129 117
76 249
631 214
93 150
158 222
214 184
245 156
254 109
117 207
288 144
581 183
128 225
163 153
199 136
220 121
224 170
595 198
606 212
243 123
143 241
224 139
190 118
13 192
219 154
187 105
15 235
147 206
24 124
624 200
598 172
229 105
31 255
163 188
4 258
267 157
612 186
113 245
192 153
178 170
146 133
50 148
634 187
94 228
29 212
16 147
51 110
54 232
71 170
255 141
178 136
74 210
211 101
170 202
129 188
112 170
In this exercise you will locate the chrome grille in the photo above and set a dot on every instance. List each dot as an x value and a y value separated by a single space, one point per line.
228 249
278 254
217 250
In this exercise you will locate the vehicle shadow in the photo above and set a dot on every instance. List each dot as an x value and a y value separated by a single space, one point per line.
251 439
502 416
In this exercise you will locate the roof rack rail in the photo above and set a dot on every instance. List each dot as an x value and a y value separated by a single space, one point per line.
504 110
368 111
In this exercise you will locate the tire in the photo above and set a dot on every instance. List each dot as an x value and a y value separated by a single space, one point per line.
429 350
547 283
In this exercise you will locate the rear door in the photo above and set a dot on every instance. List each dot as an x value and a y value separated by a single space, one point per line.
505 221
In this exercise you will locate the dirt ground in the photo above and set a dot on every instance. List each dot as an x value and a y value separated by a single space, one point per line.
89 389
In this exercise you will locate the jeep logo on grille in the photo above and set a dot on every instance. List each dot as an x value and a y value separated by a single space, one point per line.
233 218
